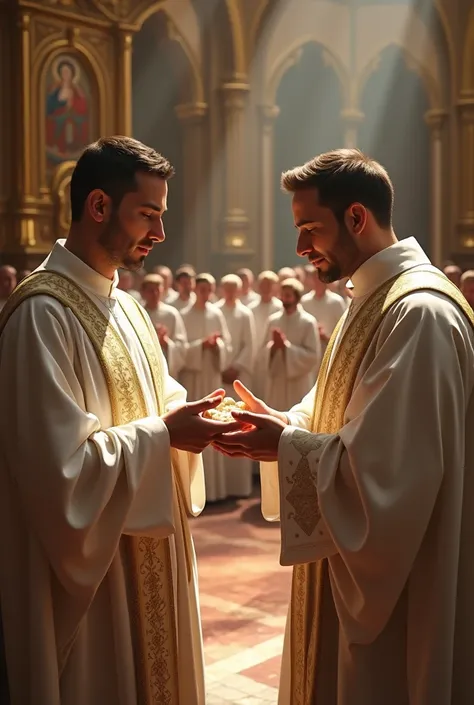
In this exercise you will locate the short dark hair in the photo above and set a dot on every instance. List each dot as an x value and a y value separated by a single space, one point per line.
343 177
111 164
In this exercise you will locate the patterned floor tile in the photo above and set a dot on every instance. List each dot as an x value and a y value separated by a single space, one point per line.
244 601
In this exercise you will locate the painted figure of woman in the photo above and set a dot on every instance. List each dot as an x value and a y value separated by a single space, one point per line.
67 113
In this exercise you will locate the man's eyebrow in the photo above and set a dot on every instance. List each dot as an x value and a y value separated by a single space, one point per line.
302 223
153 206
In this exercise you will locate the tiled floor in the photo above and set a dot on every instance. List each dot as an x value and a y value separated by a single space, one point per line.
244 599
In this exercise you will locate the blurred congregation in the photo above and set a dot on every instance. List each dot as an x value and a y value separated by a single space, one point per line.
268 331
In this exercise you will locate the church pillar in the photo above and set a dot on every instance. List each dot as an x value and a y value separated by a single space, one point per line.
236 222
466 183
351 118
23 235
435 119
124 78
196 236
269 113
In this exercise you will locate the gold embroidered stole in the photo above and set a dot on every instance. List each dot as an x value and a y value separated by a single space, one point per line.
310 586
151 582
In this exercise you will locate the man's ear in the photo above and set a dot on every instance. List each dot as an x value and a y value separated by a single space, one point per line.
356 218
99 205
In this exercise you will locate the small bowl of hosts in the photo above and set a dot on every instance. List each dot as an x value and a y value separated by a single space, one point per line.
223 412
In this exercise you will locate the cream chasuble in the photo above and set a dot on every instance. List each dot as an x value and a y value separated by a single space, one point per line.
99 602
377 504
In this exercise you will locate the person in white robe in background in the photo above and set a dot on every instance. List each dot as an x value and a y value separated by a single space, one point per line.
326 306
286 273
292 352
453 272
208 354
241 326
467 286
249 295
76 489
127 283
376 496
169 294
168 323
185 281
267 304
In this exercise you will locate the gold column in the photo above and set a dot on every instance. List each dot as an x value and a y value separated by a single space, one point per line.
466 158
24 237
236 222
269 113
197 243
351 118
124 116
435 119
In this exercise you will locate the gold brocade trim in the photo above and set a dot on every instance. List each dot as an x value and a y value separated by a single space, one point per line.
126 396
153 618
334 390
143 326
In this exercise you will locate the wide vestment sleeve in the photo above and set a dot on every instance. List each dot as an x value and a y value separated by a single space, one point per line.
363 498
299 416
82 486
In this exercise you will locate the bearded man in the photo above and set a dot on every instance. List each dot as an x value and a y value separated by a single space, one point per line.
372 474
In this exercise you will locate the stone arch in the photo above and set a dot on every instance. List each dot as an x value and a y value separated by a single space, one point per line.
432 86
186 34
405 28
291 56
238 43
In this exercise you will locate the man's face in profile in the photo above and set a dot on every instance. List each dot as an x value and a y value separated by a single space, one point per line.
136 225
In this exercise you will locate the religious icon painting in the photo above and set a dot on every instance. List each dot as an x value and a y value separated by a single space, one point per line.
68 110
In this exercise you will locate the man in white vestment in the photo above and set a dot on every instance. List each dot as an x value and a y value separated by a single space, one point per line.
267 304
326 306
292 349
248 295
208 354
372 474
185 280
241 325
168 323
169 294
98 582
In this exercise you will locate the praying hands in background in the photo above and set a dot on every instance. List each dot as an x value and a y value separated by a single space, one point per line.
162 332
278 341
261 428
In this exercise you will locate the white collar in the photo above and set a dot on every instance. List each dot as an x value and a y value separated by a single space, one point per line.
387 263
65 262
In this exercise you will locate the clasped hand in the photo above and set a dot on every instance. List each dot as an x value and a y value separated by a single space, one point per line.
189 431
259 431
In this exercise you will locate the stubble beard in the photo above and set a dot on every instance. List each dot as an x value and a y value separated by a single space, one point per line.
346 244
107 239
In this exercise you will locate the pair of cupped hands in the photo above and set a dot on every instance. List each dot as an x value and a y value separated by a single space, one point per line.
253 434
